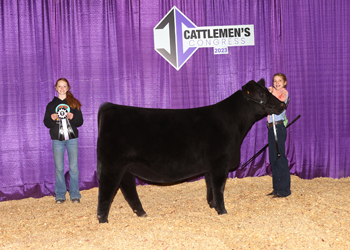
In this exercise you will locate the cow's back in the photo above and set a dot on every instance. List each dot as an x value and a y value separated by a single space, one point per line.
164 140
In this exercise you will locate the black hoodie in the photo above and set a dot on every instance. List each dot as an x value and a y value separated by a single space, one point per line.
77 120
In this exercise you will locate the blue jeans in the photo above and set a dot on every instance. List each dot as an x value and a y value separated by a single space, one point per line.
280 168
58 148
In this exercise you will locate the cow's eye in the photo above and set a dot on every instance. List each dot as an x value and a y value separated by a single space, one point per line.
248 92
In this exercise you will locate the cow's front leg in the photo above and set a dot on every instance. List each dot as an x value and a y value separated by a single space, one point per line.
128 187
218 186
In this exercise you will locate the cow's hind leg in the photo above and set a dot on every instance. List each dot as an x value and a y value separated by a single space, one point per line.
128 188
210 199
108 187
106 194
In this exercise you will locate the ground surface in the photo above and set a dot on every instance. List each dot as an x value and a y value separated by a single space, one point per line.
315 216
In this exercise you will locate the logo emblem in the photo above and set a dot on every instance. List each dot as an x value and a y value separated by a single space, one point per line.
176 37
168 38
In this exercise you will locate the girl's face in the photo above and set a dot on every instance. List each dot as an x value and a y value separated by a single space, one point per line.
62 87
278 82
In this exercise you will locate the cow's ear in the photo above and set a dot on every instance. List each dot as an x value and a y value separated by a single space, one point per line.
262 82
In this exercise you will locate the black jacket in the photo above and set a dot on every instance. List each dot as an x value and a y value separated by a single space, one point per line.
77 120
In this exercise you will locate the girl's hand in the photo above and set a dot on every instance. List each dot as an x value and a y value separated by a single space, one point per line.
70 116
270 89
54 117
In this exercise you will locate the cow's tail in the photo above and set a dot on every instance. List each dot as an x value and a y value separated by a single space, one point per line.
99 168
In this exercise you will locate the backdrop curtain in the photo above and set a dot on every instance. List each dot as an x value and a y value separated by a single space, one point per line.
106 50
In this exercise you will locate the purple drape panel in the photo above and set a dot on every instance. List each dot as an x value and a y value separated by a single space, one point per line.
316 49
105 49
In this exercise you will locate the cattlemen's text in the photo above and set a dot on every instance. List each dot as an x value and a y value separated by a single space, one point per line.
216 33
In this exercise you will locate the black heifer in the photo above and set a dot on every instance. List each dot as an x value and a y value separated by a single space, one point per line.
168 146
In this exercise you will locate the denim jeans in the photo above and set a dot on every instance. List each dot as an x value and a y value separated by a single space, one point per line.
279 167
58 148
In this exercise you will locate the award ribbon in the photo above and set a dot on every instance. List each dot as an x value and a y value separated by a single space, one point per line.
65 131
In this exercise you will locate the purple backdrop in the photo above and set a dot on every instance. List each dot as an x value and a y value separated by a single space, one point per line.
106 50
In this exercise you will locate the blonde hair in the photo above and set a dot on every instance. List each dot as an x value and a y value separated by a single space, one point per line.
71 100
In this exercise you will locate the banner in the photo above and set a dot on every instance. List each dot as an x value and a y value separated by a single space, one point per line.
176 37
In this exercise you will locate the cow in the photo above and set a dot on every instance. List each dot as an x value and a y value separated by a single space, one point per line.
168 146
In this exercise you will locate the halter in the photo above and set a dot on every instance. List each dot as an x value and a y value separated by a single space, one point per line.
275 132
261 102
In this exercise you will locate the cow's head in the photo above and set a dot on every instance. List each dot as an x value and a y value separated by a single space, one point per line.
258 93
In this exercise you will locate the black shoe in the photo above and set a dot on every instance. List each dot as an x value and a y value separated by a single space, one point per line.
60 201
75 200
272 193
277 195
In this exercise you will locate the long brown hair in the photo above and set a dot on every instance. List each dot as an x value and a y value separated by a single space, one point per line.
71 100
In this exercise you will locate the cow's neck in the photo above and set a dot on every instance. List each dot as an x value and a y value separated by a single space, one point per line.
242 113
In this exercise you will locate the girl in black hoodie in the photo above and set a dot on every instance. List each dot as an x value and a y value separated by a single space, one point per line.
62 117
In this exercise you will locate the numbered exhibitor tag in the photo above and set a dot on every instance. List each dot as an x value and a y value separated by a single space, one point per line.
220 50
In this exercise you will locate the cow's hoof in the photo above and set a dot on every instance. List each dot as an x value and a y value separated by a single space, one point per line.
222 212
140 213
212 204
101 219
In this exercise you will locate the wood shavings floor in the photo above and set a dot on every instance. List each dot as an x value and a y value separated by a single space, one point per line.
315 216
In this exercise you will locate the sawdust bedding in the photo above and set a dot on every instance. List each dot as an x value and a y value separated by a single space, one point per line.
315 216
